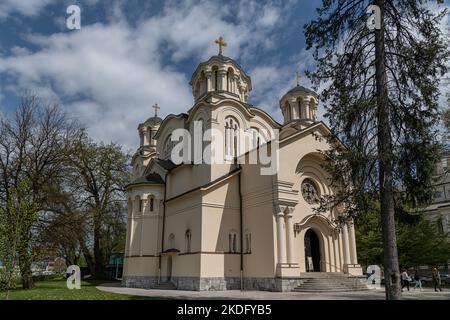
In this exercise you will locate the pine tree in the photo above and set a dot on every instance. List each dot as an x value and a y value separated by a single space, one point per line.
381 98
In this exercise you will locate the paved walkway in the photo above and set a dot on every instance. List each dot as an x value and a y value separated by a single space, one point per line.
426 294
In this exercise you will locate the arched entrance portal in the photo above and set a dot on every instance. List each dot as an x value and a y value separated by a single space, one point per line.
312 251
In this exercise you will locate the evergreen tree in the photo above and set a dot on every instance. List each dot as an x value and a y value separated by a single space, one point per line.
382 103
419 241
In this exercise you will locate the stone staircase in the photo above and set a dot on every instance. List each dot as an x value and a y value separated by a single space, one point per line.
329 282
164 286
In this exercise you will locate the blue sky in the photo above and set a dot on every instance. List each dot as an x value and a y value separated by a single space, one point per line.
130 54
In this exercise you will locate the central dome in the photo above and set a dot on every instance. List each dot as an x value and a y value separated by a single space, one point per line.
223 75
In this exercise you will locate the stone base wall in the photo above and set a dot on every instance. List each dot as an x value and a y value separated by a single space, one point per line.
215 284
139 282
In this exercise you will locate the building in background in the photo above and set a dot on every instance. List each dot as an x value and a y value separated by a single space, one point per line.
438 211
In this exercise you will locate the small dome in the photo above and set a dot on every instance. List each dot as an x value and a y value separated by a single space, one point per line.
148 129
299 104
301 89
152 121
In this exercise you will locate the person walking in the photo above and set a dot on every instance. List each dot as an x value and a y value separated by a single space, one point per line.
405 279
417 280
436 279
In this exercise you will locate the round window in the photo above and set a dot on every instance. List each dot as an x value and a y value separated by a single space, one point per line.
310 192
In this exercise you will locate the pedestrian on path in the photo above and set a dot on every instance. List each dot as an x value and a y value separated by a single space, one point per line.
417 280
405 279
436 279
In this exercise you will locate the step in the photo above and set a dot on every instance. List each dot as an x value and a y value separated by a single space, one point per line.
164 286
329 282
328 290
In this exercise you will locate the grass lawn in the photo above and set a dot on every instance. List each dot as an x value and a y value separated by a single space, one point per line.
57 290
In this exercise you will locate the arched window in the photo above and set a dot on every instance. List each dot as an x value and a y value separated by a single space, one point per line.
230 80
130 207
188 237
231 137
137 205
300 116
150 136
151 203
248 242
232 242
215 72
312 109
141 206
287 110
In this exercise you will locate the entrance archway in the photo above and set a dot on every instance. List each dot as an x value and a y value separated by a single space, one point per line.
312 251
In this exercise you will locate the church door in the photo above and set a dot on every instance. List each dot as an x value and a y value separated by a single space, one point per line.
169 268
312 251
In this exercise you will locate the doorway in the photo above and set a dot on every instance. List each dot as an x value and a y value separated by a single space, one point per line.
312 251
169 268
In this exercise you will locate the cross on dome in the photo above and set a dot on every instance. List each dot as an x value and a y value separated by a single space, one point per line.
221 43
297 77
155 106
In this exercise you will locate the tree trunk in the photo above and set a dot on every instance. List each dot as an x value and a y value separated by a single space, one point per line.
98 252
25 269
87 255
391 267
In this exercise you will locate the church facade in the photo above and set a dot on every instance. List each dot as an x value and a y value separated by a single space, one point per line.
218 226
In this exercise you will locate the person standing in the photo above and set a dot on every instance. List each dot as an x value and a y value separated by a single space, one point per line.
417 280
405 279
436 279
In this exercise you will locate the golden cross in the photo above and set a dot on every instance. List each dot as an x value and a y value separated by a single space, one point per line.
156 109
221 43
298 76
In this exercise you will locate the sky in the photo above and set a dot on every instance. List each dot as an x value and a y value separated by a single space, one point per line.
130 54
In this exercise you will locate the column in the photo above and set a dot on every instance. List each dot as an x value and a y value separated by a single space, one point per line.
305 110
222 80
351 232
235 84
208 81
129 228
289 236
227 141
345 244
281 237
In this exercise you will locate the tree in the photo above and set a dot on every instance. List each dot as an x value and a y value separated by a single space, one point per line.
15 228
381 101
419 241
33 146
97 176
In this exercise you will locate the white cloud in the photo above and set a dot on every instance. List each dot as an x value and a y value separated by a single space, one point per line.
109 75
24 7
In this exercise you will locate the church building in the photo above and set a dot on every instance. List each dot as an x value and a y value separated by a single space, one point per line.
223 226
